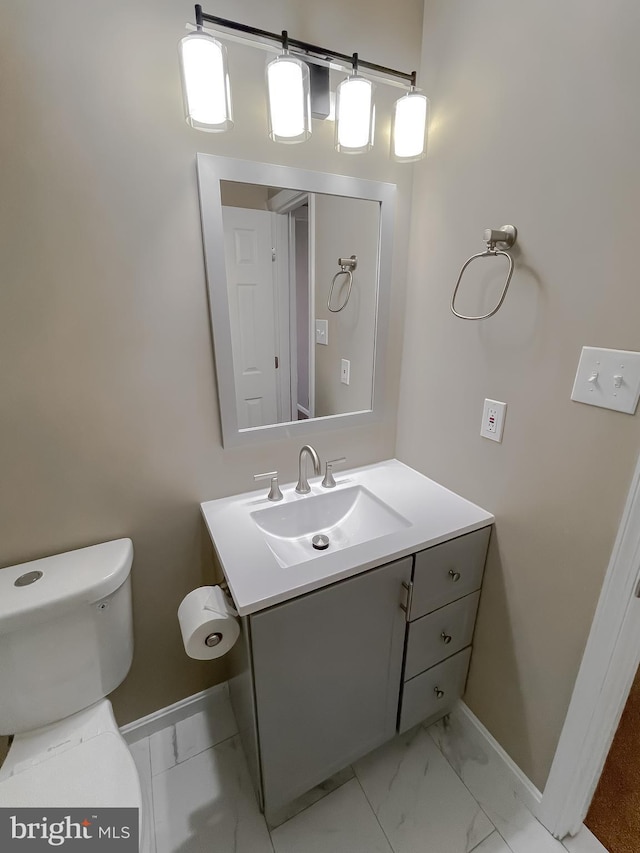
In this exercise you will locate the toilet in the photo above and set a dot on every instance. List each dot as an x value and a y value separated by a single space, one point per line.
66 642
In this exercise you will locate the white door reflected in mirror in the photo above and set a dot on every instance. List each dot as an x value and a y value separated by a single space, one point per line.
250 281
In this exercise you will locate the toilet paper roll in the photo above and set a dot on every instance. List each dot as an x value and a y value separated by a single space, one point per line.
208 623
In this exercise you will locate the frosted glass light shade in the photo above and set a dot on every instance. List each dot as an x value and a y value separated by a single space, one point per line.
409 133
205 83
289 100
355 115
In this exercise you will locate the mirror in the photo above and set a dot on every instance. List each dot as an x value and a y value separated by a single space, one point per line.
298 273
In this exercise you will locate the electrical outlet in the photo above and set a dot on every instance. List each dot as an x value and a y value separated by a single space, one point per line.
345 371
493 420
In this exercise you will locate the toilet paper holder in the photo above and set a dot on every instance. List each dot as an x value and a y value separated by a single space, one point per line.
209 623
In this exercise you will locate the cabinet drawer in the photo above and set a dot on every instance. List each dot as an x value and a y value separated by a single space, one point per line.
434 691
449 571
440 634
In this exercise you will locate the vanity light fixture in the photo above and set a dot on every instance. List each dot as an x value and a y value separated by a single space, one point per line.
355 113
205 80
298 89
289 101
409 129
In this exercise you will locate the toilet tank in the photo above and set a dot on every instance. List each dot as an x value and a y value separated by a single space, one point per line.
66 633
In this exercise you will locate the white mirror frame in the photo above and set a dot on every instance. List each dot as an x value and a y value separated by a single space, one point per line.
213 169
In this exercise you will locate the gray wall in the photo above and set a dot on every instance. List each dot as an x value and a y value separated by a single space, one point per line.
108 408
535 124
345 227
233 194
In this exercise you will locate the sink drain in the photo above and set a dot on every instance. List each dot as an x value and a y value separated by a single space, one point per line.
320 542
31 577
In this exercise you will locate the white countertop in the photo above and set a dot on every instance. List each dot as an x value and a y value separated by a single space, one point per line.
258 580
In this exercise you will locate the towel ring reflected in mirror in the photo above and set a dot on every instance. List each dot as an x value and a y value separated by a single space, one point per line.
347 266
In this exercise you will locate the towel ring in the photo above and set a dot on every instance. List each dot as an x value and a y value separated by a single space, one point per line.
347 266
505 236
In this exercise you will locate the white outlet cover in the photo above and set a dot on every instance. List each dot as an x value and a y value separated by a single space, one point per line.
609 378
493 414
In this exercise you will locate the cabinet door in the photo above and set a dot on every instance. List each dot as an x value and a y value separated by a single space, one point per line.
327 670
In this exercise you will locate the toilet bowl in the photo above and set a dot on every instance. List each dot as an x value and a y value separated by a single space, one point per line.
66 641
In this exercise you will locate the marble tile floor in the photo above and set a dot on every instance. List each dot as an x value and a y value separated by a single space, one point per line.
424 792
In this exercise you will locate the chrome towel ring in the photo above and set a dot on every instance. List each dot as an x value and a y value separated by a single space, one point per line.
347 266
506 237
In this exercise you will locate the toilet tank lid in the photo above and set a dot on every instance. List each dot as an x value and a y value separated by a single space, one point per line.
62 582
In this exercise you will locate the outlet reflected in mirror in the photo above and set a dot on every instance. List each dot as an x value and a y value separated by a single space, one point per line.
273 238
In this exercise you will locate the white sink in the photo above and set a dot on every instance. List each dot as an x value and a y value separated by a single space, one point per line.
346 517
375 514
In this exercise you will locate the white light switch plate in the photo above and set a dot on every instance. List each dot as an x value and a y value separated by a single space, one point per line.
609 378
322 331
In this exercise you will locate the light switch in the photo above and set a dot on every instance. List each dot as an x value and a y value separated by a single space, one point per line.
609 378
345 371
322 331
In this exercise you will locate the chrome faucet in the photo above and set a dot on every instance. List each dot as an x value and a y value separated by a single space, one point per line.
303 487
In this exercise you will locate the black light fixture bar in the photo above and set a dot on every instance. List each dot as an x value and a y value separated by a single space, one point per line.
319 52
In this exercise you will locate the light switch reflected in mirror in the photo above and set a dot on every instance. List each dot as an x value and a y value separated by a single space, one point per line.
273 238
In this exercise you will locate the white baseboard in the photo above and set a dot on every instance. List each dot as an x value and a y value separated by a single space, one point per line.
523 787
584 842
169 716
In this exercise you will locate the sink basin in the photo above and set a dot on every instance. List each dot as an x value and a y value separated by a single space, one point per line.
346 517
374 514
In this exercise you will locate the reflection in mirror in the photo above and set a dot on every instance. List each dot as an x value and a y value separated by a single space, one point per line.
281 251
298 276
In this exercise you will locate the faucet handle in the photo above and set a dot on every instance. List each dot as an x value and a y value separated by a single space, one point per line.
328 481
274 492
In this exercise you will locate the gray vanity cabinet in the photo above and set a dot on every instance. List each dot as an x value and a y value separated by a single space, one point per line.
326 670
322 679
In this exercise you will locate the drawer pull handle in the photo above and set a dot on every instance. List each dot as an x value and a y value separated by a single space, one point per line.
446 638
407 606
455 576
439 693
